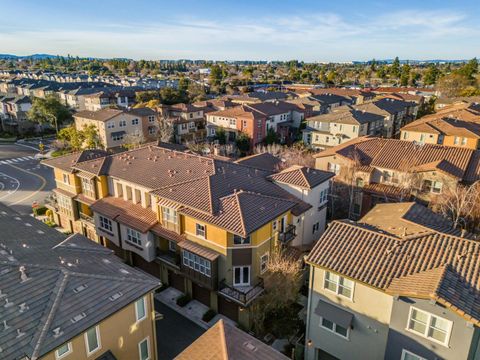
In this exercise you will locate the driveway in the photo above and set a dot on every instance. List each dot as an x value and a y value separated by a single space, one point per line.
174 332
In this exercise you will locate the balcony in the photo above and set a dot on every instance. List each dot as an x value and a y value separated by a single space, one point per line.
287 235
86 218
168 257
243 295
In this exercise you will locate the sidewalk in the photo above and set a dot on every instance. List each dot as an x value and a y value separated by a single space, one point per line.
194 310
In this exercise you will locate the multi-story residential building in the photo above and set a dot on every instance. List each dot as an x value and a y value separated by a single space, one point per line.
400 283
204 226
69 298
342 125
107 98
224 341
13 114
457 127
383 170
115 126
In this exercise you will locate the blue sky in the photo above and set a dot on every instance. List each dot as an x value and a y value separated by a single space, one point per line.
235 30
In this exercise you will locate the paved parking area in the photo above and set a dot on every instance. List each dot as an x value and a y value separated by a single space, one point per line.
174 332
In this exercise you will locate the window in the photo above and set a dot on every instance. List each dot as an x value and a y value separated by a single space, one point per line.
151 118
105 224
110 124
122 123
407 355
264 262
200 230
238 240
63 350
172 246
241 275
196 263
140 309
92 340
315 228
429 326
338 284
134 237
432 186
169 215
144 349
134 121
333 327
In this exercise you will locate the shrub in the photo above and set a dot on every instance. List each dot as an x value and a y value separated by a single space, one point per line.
41 210
209 315
183 300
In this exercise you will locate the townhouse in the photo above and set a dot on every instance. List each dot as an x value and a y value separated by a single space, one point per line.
203 226
69 298
400 283
455 127
342 125
389 170
13 114
116 127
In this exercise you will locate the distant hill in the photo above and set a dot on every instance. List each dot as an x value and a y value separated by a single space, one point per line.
33 56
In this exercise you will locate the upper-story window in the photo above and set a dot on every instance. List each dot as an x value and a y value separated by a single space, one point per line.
134 236
110 124
429 326
338 284
105 223
122 123
134 121
169 215
238 240
196 263
200 230
432 186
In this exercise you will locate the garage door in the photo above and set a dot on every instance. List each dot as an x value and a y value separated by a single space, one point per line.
176 280
228 308
201 294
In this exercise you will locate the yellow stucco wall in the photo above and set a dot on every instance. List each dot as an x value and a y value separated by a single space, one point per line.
120 334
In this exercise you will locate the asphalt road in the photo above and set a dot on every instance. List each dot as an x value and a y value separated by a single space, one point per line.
22 179
174 332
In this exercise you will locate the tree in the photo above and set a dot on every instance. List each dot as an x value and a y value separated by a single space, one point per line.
282 283
49 110
243 143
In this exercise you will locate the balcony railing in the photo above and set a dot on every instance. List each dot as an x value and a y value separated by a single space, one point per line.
287 235
86 218
168 257
241 294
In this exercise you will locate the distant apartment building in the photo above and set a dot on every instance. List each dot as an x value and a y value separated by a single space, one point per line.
342 125
400 283
116 126
205 227
390 170
69 298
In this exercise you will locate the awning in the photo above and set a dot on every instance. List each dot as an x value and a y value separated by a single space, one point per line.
117 133
334 314
198 250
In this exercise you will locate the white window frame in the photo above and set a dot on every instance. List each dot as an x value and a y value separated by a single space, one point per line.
428 326
334 328
406 352
97 332
69 351
147 339
338 285
264 262
242 283
198 233
102 221
137 317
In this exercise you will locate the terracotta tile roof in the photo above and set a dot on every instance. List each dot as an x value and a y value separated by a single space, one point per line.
126 213
392 262
199 249
224 341
264 161
302 176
